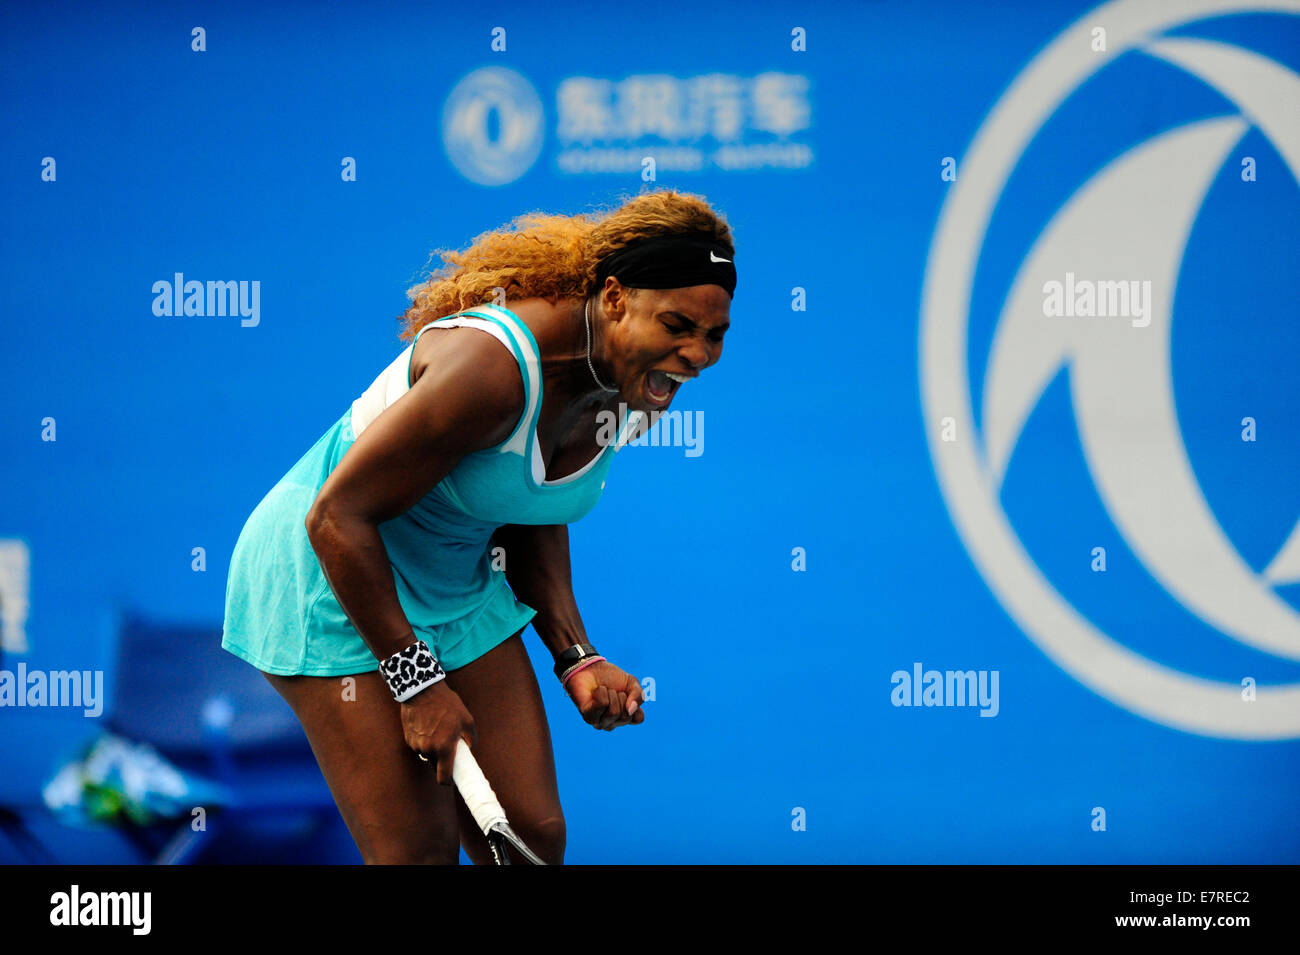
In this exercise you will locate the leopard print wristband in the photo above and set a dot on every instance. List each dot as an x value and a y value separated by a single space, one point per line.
411 670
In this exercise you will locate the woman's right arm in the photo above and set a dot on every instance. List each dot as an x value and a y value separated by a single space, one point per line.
468 396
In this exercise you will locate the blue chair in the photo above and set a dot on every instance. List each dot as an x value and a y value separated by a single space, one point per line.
211 714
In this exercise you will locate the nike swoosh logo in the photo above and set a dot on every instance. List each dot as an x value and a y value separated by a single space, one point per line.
714 258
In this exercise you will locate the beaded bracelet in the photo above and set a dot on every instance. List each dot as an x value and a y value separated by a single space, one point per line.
564 680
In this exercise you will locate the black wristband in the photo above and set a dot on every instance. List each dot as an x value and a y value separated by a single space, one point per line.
571 655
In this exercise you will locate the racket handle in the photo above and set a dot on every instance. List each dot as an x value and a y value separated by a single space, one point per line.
475 790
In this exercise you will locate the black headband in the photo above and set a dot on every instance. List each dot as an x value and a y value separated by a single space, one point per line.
679 260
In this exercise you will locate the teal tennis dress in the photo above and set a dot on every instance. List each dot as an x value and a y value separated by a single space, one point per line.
282 616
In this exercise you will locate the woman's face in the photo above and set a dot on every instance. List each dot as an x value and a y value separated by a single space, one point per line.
656 334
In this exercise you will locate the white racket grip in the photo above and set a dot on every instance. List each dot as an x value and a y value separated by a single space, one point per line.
475 790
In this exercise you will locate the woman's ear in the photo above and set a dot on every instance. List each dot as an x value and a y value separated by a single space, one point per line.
616 299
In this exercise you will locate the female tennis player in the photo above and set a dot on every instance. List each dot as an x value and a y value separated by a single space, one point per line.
408 549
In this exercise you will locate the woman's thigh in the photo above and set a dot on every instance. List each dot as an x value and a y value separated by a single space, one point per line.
514 750
390 800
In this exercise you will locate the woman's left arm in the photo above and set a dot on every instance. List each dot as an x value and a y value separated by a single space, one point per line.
538 570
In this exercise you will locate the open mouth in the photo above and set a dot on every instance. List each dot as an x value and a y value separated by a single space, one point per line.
660 386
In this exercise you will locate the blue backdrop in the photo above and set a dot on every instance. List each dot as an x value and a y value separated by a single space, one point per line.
774 585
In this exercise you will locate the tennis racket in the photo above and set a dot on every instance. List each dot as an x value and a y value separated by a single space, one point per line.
486 810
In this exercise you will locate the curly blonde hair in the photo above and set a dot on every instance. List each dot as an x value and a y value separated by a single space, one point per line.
552 256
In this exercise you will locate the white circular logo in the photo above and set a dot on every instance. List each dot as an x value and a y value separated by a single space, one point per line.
1120 379
492 126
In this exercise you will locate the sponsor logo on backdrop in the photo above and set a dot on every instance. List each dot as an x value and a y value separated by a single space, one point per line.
494 124
712 122
1120 372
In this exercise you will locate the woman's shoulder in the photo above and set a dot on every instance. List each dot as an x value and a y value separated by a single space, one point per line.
547 320
455 346
544 319
545 316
